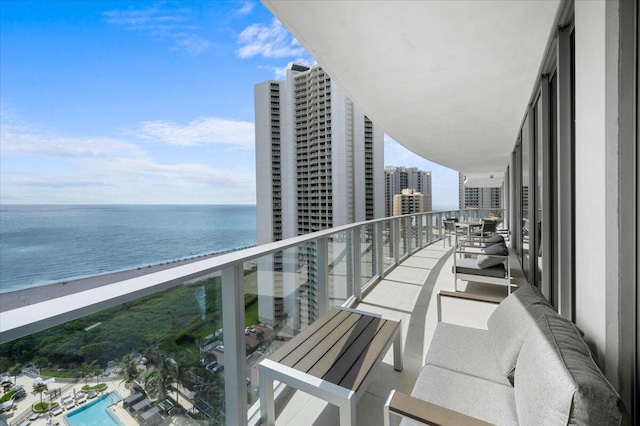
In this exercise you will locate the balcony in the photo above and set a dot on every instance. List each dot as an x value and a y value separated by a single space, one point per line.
187 317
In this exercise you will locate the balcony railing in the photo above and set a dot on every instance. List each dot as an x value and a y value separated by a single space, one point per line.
228 310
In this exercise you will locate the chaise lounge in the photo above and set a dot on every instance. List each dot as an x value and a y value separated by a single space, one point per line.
485 260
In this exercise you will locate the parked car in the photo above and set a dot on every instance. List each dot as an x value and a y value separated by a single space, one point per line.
19 394
220 348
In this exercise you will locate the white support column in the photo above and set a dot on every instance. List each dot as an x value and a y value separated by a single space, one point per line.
419 220
323 266
235 386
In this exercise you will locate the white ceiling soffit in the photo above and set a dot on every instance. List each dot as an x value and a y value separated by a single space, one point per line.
449 80
484 180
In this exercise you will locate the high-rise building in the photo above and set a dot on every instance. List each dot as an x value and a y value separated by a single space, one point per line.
479 197
407 202
319 164
399 178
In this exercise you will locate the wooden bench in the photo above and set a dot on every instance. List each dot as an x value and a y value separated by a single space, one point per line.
332 359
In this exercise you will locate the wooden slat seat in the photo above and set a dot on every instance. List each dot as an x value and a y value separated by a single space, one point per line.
341 348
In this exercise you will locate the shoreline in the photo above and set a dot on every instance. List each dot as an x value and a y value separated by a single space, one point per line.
32 295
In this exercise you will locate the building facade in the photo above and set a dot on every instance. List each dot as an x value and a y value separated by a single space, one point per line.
407 202
319 164
479 198
398 178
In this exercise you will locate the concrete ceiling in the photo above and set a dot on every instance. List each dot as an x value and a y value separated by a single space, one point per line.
449 80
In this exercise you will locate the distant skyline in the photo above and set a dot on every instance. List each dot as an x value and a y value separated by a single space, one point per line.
112 102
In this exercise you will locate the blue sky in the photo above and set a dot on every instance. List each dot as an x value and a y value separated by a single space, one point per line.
143 102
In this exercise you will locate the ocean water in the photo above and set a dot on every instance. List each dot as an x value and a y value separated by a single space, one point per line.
43 244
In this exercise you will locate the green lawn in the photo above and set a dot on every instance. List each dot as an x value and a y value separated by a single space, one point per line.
251 315
67 374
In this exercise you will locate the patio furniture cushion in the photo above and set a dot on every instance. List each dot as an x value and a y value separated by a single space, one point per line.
470 266
489 261
510 322
464 349
558 382
486 400
494 239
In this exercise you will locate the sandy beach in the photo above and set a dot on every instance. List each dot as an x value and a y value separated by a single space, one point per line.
19 298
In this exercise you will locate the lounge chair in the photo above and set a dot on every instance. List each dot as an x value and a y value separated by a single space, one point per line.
450 229
57 411
34 416
489 227
489 265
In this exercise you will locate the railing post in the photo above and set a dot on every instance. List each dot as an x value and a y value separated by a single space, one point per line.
322 254
395 240
420 218
235 386
429 227
356 267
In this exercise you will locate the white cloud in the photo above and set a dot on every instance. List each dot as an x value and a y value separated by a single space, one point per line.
37 166
143 18
157 23
25 142
202 131
246 8
191 43
268 41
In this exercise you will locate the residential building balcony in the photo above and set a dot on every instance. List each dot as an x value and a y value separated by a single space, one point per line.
198 312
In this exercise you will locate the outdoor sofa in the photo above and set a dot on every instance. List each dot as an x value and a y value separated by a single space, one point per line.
531 367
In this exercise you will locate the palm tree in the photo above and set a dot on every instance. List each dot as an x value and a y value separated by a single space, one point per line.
86 370
159 379
40 387
15 371
128 370
96 371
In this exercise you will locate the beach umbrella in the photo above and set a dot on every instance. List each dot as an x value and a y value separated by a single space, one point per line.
36 380
49 381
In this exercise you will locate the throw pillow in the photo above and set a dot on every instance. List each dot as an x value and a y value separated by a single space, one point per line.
489 261
494 239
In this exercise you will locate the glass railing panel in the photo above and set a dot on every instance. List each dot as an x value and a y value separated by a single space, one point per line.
367 253
425 220
388 256
415 232
404 237
340 264
158 353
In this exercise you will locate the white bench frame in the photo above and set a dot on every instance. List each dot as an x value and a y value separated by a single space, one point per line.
343 398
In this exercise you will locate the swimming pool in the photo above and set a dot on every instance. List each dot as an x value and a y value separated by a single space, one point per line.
95 413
